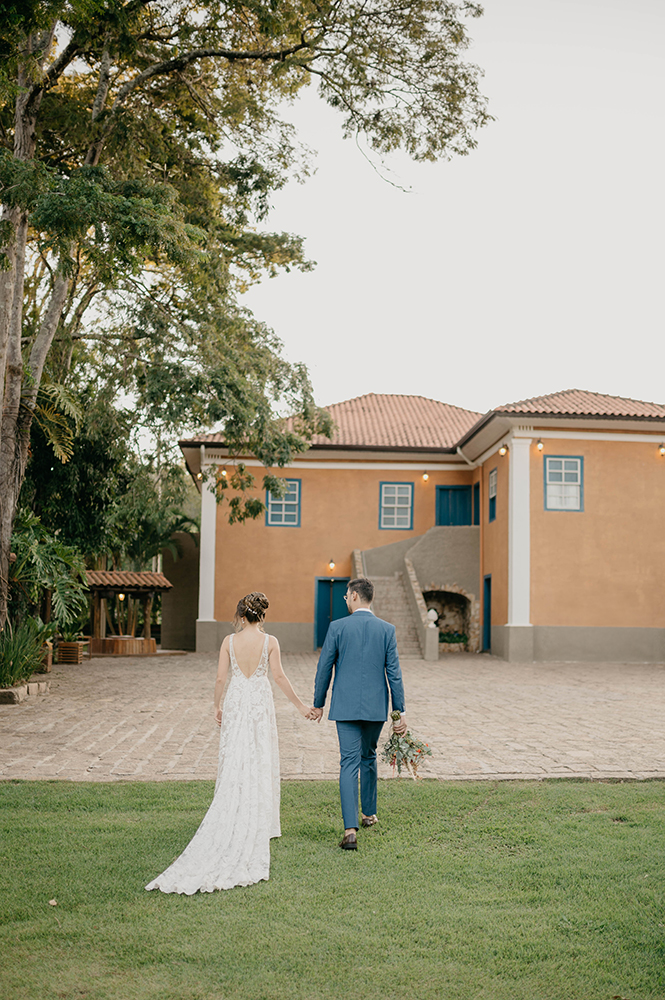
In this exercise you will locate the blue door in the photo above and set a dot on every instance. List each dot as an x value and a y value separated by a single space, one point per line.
487 614
330 604
476 503
453 505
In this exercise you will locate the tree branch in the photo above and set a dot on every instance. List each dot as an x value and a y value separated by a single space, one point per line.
44 338
95 148
180 62
57 68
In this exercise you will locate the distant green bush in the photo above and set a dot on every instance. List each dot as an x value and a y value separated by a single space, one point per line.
21 650
453 637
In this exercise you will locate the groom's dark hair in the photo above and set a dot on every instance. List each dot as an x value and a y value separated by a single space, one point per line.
363 587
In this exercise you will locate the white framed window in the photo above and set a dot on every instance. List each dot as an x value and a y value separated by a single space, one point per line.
284 512
564 482
491 493
396 506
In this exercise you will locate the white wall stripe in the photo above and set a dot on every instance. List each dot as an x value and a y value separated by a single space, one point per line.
519 533
420 467
618 436
207 555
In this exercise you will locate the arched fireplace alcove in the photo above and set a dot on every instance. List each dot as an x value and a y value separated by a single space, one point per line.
457 610
453 610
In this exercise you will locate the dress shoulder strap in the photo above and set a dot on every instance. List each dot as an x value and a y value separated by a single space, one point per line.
235 669
263 663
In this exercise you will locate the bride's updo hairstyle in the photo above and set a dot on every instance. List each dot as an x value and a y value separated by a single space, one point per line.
253 608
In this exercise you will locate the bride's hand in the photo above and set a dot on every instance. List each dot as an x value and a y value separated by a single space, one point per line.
218 716
304 711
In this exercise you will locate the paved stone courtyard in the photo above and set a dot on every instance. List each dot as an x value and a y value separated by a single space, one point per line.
151 718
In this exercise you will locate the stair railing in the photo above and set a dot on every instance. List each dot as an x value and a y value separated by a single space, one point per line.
428 633
357 563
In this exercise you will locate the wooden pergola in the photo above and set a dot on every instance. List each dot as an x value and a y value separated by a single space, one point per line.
104 584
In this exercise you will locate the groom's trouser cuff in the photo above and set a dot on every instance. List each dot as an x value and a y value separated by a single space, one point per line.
357 746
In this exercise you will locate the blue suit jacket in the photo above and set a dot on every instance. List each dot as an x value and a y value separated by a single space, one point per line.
363 651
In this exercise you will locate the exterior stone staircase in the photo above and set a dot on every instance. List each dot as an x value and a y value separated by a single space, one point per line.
391 604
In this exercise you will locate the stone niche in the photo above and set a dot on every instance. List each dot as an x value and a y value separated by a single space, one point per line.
453 610
457 611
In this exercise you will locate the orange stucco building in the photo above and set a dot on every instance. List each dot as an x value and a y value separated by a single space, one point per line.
536 530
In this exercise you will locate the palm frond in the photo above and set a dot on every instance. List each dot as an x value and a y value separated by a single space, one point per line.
59 415
63 400
57 431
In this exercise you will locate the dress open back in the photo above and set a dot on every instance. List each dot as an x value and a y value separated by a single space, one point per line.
232 845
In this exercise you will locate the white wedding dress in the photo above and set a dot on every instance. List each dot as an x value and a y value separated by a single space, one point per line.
232 845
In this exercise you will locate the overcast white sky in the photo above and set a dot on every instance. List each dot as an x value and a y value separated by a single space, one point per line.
533 264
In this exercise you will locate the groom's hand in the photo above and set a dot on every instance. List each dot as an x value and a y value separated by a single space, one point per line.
315 714
399 726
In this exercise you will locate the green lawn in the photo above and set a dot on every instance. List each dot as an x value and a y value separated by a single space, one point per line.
503 891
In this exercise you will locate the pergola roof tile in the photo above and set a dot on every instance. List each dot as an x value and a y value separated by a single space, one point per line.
125 579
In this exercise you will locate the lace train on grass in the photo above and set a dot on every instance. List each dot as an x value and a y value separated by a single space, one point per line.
232 845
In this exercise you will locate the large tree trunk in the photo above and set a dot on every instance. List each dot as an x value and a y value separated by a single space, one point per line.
18 412
8 280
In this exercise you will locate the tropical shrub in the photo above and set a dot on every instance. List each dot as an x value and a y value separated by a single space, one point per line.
21 650
45 572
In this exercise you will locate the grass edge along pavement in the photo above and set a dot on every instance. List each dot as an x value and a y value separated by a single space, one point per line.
492 891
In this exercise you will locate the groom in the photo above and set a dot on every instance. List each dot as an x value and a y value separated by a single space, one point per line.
363 651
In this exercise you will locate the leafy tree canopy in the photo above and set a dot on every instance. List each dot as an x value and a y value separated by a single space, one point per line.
140 144
108 499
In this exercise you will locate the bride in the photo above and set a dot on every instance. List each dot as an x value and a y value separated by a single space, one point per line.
232 845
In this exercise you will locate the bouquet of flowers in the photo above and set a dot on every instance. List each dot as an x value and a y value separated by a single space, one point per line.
404 751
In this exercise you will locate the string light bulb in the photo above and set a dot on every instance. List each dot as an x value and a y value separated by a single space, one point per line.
224 472
662 449
425 476
199 475
331 564
121 597
503 449
540 445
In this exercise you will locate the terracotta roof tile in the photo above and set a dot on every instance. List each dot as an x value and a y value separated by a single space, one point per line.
125 578
382 420
580 402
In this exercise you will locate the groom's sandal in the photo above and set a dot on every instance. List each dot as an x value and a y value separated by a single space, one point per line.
370 820
349 842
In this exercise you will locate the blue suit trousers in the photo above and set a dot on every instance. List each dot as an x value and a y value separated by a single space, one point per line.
357 751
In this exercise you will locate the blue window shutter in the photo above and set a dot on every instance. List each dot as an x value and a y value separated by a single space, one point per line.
491 491
454 505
